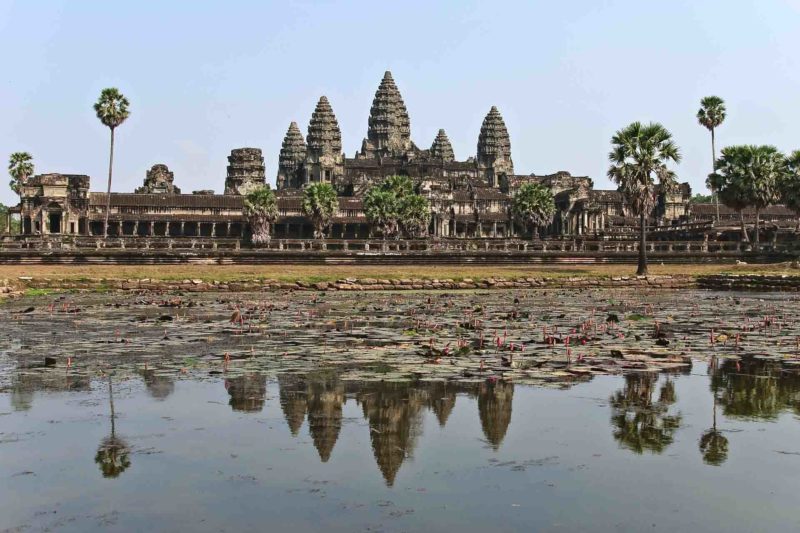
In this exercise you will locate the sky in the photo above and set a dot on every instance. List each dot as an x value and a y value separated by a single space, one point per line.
206 77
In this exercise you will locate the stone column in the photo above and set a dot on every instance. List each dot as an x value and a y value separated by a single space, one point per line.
494 229
152 229
213 229
183 225
8 222
135 228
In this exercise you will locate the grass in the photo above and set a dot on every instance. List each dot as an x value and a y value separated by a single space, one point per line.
316 273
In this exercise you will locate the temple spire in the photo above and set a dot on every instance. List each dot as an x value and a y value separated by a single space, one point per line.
389 131
290 160
324 135
494 147
441 149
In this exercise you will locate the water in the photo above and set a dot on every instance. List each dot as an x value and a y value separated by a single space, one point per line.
710 449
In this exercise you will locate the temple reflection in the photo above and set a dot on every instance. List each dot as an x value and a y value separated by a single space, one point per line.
247 392
325 400
24 386
159 386
393 411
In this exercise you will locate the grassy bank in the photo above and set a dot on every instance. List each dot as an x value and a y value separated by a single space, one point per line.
315 273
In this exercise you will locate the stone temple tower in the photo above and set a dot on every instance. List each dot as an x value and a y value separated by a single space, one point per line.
245 171
494 149
291 159
389 132
441 149
324 158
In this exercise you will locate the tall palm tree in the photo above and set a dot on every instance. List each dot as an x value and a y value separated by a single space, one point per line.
711 115
261 210
382 210
790 185
414 215
320 204
112 110
640 154
534 206
749 175
113 453
20 168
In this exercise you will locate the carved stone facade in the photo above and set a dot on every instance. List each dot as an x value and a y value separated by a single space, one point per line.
245 171
469 198
158 180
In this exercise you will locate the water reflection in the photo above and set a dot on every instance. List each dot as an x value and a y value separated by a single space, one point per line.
755 389
393 411
159 386
113 454
641 423
247 392
26 384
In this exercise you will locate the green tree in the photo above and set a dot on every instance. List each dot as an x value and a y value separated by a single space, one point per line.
415 215
393 206
534 206
790 185
261 210
20 168
113 454
701 199
749 175
640 154
641 423
382 210
711 115
320 204
112 110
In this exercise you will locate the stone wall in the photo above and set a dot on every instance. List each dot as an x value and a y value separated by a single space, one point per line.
716 282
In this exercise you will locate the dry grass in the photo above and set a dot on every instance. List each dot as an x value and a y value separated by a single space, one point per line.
312 273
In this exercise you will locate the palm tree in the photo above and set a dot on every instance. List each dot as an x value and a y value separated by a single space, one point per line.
713 444
534 206
400 185
261 210
319 204
113 453
750 176
382 210
640 154
790 185
112 110
711 115
20 168
414 215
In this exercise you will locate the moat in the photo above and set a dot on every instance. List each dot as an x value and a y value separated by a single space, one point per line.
559 410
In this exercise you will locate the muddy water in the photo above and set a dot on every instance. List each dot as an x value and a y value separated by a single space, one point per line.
150 428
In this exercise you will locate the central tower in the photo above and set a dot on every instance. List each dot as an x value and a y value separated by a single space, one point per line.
389 131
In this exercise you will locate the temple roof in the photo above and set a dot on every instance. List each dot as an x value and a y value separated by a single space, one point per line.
493 141
293 149
324 135
389 130
197 201
441 148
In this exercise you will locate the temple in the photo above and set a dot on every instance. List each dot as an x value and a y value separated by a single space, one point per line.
469 198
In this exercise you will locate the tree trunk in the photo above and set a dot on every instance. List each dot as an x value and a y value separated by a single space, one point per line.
756 237
745 238
714 169
642 269
108 195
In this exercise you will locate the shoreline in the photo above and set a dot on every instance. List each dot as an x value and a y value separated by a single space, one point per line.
32 286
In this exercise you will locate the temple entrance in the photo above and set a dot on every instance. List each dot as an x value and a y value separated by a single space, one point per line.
54 222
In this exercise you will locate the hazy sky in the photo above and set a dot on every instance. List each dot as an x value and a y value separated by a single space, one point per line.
206 77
